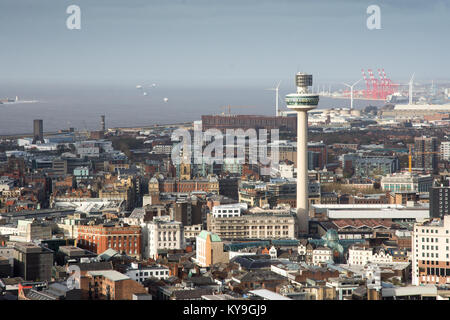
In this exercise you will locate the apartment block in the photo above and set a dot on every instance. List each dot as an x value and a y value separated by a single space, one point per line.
439 201
431 252
253 226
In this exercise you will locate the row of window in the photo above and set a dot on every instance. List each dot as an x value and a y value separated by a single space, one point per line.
433 255
433 247
253 227
436 240
151 273
431 231
432 262
228 211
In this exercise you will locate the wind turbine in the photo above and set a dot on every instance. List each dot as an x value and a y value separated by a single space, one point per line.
276 96
410 83
351 92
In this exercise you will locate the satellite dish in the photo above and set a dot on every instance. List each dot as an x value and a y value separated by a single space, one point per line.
154 85
145 93
166 99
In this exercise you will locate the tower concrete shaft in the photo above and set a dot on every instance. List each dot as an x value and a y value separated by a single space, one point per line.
302 171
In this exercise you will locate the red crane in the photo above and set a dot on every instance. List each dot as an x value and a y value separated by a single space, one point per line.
379 88
368 89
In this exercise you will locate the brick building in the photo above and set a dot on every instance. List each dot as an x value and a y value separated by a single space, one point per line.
110 285
210 249
99 238
248 121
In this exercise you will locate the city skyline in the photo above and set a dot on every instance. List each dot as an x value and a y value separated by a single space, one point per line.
231 151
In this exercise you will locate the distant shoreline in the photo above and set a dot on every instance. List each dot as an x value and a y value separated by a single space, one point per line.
58 115
17 102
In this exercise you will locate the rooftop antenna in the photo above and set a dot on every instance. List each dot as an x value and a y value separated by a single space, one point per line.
351 92
276 97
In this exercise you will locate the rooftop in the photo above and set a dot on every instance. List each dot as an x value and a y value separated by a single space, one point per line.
268 295
204 235
109 274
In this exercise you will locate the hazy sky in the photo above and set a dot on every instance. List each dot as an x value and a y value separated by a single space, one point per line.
220 42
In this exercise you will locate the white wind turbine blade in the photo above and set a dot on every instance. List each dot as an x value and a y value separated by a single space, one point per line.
278 85
356 82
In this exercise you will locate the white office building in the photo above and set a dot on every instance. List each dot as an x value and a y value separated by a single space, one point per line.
431 252
322 255
140 273
229 210
362 256
161 233
410 182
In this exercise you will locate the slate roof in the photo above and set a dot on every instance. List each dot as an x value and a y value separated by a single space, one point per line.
254 261
191 294
95 266
137 213
261 275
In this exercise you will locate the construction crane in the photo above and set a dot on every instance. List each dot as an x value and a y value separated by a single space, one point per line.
417 152
235 107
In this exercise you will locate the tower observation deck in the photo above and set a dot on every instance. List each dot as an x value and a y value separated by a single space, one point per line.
302 100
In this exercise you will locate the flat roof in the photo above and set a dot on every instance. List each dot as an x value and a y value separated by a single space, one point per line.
217 297
110 274
357 206
422 107
268 295
428 290
419 214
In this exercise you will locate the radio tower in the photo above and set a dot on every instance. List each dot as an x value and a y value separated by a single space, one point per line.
302 102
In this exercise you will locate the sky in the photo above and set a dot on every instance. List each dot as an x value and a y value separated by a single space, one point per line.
219 43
